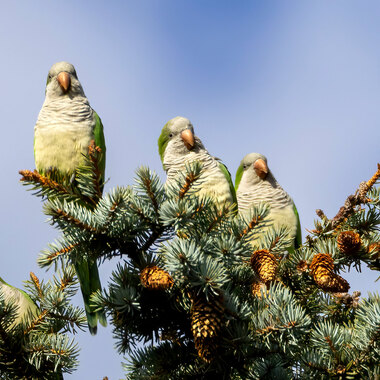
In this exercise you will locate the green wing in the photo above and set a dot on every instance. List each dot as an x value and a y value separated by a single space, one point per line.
25 295
227 174
100 142
163 141
26 305
298 241
239 174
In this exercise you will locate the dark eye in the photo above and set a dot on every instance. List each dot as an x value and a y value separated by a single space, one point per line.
244 166
171 135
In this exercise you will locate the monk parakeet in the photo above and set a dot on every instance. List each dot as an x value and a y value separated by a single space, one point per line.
65 127
177 145
26 307
255 183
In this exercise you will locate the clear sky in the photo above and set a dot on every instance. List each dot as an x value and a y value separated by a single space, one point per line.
298 81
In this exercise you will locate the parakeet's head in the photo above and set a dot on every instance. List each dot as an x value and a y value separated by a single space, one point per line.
253 169
62 80
177 139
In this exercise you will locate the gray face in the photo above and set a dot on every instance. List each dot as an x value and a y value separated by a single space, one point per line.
176 146
62 66
54 90
179 124
250 176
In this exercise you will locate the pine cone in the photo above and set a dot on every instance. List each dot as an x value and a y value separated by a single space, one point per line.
349 242
258 289
264 264
206 322
347 299
374 250
335 284
322 269
155 278
322 260
302 266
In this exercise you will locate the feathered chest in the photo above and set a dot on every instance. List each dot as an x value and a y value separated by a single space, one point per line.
271 193
212 182
62 134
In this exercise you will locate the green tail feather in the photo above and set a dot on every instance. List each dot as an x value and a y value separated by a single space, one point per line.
95 286
89 280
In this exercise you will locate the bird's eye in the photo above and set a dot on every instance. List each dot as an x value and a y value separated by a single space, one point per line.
244 166
171 135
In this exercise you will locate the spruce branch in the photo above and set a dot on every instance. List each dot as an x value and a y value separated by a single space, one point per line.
69 219
89 176
46 187
189 180
372 180
220 215
157 231
251 225
47 257
66 280
36 321
150 186
37 284
271 328
3 333
253 220
94 153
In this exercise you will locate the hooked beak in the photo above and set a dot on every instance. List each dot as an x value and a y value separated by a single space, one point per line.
261 168
64 80
188 138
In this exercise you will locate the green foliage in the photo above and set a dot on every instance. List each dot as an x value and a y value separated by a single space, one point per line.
40 347
290 328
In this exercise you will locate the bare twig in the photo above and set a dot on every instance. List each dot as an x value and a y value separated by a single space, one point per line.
355 200
360 197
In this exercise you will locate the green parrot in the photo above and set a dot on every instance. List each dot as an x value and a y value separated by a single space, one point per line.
26 307
65 127
177 145
255 183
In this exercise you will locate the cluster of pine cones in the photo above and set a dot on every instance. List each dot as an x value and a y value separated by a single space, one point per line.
207 316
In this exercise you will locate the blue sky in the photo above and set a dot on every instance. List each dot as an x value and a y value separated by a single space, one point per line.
298 81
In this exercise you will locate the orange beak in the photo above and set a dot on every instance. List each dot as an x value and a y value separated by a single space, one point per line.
261 168
64 80
188 138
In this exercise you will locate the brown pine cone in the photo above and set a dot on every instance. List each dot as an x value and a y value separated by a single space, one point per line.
264 264
322 269
349 242
155 278
258 289
302 266
322 260
374 250
206 322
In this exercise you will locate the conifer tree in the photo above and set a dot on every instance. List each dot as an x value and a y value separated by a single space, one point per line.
40 347
195 297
